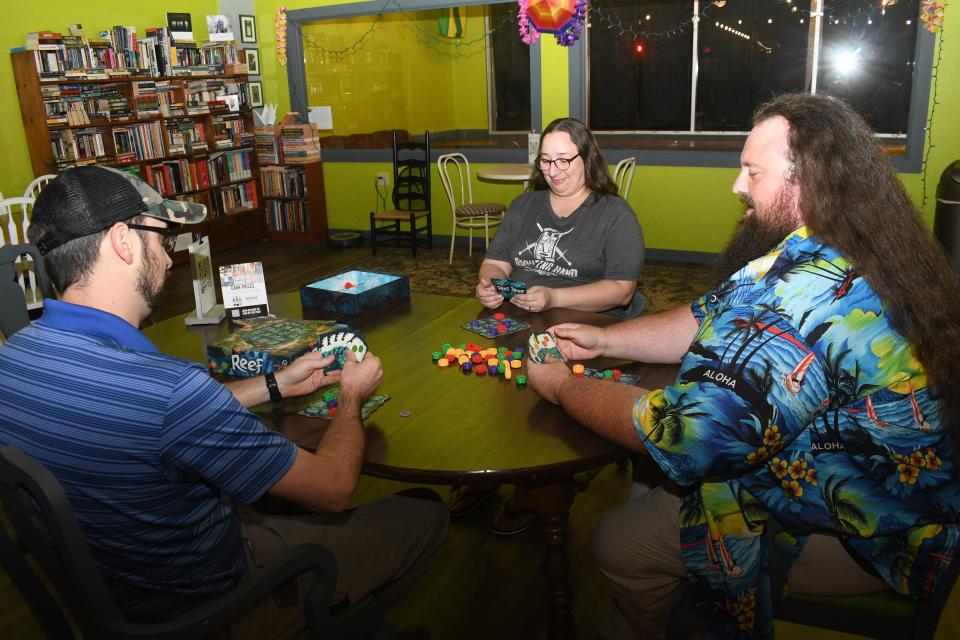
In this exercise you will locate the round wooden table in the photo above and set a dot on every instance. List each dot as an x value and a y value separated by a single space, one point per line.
506 173
461 429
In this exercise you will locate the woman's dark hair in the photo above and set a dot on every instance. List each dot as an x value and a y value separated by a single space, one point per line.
595 171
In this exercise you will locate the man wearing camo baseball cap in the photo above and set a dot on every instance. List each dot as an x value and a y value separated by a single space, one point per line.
148 445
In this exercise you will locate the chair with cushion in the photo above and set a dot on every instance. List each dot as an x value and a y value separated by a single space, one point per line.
884 614
42 524
37 184
623 176
411 198
454 170
14 312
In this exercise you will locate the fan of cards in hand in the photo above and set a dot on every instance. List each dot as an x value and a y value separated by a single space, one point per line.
543 349
340 345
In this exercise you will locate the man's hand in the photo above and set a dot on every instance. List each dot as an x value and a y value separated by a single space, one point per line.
488 295
546 379
305 375
578 341
535 300
359 380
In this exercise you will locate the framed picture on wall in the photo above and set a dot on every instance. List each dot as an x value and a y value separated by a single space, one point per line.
253 61
248 28
256 93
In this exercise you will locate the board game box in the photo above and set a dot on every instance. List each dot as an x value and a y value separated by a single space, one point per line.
354 292
267 344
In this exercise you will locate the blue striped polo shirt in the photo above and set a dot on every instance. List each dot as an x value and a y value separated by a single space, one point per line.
150 450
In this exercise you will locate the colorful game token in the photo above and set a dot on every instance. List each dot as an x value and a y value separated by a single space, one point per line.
521 380
332 404
446 347
481 369
443 362
466 367
435 356
617 374
578 370
499 316
507 373
608 374
516 364
492 371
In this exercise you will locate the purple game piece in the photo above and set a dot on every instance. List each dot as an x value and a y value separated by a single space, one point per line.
517 353
506 322
492 332
467 367
332 404
474 323
492 371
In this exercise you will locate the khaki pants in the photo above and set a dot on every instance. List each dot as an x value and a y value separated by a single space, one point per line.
382 547
637 546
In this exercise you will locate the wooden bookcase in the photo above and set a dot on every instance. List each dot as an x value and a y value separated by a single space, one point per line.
222 172
295 202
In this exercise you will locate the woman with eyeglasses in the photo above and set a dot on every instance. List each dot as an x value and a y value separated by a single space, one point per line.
577 245
573 241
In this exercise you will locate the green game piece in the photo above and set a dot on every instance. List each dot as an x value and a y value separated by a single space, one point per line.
331 394
608 374
446 347
463 347
521 380
435 355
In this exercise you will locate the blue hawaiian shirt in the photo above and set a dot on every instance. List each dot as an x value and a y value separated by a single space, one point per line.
798 401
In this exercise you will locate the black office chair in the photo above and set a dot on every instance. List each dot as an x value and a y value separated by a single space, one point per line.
13 312
411 198
43 524
882 615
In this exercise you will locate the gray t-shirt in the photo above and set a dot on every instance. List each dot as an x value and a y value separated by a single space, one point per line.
601 240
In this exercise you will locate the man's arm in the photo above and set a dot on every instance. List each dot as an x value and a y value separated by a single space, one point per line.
304 375
658 338
326 479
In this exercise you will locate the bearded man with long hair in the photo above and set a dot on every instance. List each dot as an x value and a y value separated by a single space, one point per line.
816 393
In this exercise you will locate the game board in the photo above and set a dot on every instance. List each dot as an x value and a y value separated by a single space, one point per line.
321 408
508 288
488 327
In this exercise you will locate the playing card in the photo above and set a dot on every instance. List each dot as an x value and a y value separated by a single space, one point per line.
509 288
340 345
543 349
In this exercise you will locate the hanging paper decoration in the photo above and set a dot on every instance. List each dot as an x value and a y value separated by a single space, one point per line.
563 18
931 13
450 24
280 28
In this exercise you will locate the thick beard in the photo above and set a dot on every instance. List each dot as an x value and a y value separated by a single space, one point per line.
149 291
756 234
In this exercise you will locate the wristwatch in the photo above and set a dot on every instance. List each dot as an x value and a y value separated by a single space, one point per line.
272 386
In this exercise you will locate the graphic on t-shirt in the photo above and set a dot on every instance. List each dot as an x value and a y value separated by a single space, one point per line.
546 252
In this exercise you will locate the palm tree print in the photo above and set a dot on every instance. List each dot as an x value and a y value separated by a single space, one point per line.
670 420
847 516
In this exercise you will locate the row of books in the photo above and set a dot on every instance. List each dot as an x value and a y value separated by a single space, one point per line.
229 166
73 148
230 131
233 198
288 182
178 176
138 142
119 52
287 215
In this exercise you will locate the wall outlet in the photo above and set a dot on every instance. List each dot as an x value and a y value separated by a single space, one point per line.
383 179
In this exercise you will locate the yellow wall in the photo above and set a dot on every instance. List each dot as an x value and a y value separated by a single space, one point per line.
19 18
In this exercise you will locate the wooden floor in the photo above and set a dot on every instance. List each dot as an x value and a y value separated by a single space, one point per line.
483 586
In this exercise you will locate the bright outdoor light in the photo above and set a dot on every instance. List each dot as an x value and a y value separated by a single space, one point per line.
846 61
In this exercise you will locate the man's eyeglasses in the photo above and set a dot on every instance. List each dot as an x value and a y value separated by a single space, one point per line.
169 233
560 163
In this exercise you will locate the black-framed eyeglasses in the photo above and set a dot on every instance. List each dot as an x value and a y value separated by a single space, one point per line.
560 163
169 233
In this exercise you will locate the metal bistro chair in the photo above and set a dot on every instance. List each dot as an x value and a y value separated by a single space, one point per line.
411 197
623 176
44 526
14 312
454 170
37 184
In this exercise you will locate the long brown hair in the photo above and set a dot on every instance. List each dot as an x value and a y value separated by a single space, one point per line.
595 171
851 197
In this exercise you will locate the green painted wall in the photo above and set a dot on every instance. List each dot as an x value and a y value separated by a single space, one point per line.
57 15
680 208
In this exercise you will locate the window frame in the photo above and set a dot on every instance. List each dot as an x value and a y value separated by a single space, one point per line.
910 162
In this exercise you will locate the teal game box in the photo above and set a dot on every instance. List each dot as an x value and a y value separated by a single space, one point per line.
267 344
354 292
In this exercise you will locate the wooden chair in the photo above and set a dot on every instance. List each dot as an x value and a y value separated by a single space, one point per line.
883 615
14 312
44 526
623 176
37 184
411 198
454 170
14 222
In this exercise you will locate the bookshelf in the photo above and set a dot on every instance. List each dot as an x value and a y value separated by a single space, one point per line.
295 202
190 135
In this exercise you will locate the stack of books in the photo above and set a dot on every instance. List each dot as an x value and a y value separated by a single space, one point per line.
267 145
299 143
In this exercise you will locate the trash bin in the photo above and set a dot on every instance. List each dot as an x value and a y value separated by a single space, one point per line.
946 222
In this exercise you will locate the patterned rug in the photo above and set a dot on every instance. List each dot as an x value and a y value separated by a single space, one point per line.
666 284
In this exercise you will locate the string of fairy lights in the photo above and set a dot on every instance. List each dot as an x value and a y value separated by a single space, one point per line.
928 131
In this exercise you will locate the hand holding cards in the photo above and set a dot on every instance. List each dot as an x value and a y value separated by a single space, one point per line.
508 288
543 349
340 345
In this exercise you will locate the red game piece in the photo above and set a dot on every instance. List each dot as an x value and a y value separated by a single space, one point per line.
481 369
499 316
348 285
616 374
332 411
501 328
477 358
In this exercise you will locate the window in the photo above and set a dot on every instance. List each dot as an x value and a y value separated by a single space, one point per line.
700 68
509 64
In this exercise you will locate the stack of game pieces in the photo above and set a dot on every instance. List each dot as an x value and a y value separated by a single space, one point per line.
483 361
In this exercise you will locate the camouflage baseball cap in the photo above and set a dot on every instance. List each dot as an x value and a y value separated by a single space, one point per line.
87 200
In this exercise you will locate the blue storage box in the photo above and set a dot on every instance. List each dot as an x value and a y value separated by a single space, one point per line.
354 292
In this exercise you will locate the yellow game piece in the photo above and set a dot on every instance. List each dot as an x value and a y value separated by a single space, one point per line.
506 373
452 352
463 358
578 370
516 364
491 362
443 362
